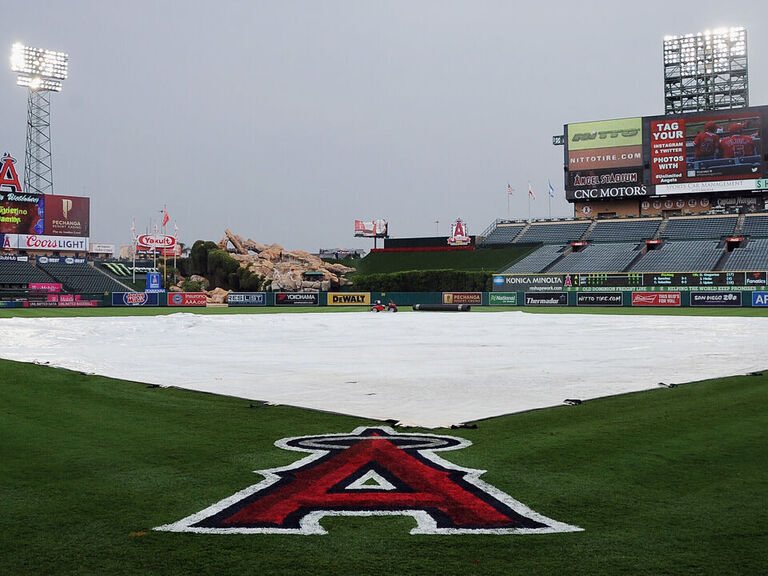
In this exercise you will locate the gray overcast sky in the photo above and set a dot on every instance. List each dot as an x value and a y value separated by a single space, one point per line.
285 121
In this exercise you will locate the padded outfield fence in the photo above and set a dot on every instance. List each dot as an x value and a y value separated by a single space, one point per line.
530 296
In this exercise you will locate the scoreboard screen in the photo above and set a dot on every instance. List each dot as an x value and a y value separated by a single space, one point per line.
629 280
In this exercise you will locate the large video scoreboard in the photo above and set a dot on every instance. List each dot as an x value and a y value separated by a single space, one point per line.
714 151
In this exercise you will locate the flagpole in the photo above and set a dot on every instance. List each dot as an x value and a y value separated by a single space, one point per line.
133 241
549 202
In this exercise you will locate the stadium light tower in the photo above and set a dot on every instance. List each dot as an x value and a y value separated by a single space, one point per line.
41 72
706 71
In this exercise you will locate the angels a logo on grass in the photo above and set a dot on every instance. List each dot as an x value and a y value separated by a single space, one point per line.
370 472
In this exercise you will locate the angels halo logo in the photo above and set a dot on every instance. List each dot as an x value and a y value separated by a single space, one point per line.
372 471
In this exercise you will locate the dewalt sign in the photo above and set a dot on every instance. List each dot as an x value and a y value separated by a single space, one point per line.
349 298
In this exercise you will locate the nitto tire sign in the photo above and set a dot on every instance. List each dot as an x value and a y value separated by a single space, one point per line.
599 299
716 299
247 299
297 299
546 299
134 299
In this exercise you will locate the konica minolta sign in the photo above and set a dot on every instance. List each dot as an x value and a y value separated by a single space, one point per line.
528 282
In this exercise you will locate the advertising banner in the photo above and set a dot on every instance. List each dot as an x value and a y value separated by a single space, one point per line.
525 282
462 297
599 299
502 299
55 243
135 299
371 228
760 299
44 287
546 299
155 241
66 215
21 213
716 299
710 146
247 299
154 282
349 298
297 299
187 299
617 133
655 298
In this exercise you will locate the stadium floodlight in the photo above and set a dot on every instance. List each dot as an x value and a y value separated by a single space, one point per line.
39 69
41 72
706 71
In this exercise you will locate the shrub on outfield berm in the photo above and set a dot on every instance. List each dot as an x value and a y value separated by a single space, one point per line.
425 281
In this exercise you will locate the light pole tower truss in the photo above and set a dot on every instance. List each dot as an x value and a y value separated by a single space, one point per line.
706 71
41 72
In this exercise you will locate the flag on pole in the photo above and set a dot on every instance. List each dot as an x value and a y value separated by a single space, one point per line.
551 189
510 190
530 191
165 216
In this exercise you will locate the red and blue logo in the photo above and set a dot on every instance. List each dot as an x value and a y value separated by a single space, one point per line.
372 471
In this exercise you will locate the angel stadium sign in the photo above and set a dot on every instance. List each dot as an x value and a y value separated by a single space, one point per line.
371 471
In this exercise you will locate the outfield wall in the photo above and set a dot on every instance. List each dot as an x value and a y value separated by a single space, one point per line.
532 295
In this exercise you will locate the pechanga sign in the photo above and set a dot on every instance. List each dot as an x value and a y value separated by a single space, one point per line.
67 215
370 472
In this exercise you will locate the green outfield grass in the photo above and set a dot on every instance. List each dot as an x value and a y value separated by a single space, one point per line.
670 482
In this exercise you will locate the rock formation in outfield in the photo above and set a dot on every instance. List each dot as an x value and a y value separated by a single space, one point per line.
295 271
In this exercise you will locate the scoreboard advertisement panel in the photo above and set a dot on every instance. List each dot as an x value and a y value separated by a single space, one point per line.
695 153
604 159
712 146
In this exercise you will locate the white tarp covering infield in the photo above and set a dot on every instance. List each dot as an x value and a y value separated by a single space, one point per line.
422 369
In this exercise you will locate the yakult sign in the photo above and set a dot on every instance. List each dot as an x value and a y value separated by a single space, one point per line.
156 241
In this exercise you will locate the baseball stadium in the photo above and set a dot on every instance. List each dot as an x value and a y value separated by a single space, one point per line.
581 395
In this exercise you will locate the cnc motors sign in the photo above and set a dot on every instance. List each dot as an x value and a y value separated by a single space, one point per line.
370 472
